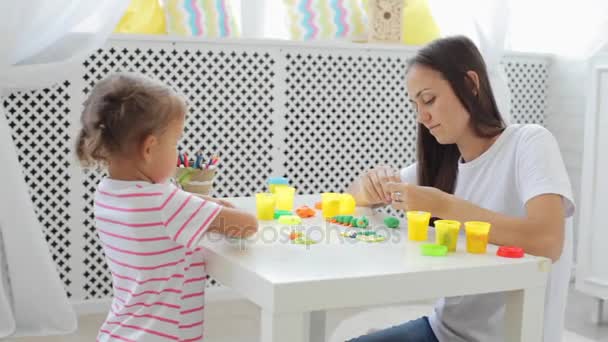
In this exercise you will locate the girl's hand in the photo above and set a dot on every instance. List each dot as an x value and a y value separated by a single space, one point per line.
221 202
410 197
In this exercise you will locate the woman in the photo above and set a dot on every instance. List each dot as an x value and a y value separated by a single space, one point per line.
471 166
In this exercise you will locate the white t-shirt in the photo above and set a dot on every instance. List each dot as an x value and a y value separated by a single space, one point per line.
150 234
524 162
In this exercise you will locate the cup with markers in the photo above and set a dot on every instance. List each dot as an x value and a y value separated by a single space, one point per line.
196 173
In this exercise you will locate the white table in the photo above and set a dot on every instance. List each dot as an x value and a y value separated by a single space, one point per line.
294 285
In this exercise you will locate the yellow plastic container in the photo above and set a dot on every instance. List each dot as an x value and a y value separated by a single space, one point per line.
273 187
275 182
418 225
446 233
285 196
330 204
347 204
264 203
477 236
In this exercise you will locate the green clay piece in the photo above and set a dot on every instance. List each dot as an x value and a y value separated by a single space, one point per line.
391 222
279 213
371 238
304 241
362 222
430 249
353 222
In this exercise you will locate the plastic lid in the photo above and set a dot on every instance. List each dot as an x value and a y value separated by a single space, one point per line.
510 252
430 249
290 219
278 180
279 213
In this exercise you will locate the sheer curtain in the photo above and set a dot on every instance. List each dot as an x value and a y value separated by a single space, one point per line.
567 29
40 42
487 23
570 31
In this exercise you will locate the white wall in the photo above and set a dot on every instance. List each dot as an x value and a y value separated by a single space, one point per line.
565 116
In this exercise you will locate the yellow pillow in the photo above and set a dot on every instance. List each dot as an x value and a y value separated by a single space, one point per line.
418 26
143 16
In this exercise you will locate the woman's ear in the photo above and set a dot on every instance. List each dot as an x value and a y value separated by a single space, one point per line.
472 75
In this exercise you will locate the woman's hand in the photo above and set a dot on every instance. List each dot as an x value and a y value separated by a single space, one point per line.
373 184
540 232
408 197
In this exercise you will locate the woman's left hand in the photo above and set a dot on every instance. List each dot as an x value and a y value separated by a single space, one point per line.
418 198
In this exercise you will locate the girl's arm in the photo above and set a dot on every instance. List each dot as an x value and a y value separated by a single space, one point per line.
221 202
234 223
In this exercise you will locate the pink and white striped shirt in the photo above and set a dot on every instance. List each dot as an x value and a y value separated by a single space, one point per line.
150 233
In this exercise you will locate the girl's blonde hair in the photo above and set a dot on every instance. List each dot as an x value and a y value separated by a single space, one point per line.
121 111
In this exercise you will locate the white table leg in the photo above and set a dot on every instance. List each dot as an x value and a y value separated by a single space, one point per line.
318 326
283 327
524 315
598 311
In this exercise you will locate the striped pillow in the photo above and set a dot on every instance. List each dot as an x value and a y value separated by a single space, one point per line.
201 18
327 19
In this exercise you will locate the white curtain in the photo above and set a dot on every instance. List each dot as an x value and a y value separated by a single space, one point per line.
567 29
264 19
41 41
571 31
487 23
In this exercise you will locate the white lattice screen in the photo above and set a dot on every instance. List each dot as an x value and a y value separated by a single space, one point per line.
316 115
39 121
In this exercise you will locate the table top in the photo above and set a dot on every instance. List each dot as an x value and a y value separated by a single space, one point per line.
338 272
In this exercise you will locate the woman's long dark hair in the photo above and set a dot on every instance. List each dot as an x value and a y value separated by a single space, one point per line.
453 57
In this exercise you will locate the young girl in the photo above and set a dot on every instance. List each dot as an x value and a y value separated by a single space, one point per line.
149 228
472 166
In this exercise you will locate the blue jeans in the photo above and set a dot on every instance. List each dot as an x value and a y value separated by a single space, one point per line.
418 330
